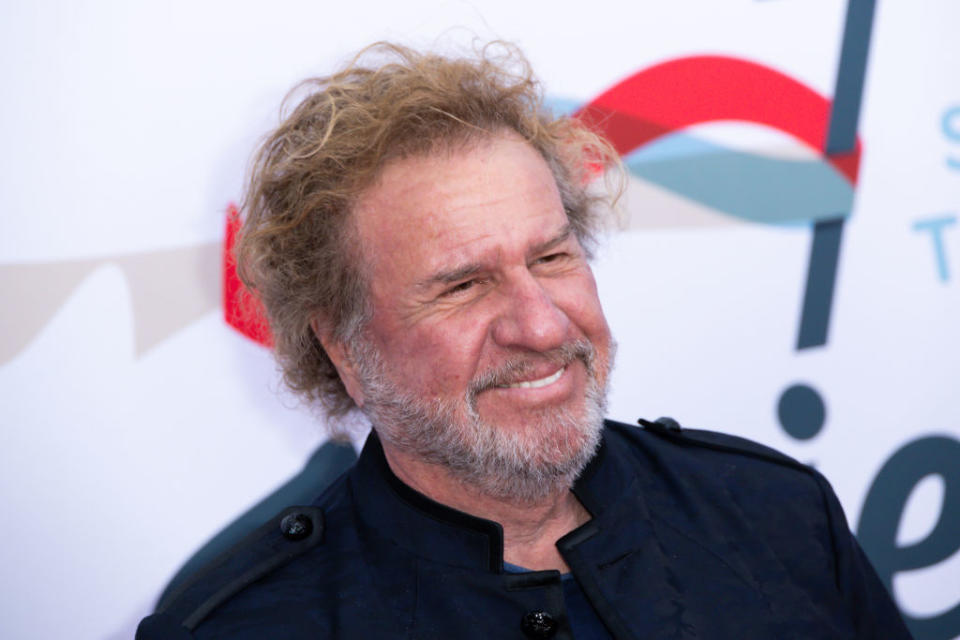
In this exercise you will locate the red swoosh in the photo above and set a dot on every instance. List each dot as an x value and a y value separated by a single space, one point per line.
688 91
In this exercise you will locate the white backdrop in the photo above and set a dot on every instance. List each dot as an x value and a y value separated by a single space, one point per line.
136 423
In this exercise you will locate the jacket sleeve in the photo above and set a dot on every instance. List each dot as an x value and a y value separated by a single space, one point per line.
872 610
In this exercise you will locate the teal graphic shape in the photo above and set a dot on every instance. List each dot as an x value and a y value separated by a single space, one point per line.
748 186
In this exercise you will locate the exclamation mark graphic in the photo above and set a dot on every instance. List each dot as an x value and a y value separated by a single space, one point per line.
801 409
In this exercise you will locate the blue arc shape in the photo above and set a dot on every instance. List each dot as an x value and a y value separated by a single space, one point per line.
748 186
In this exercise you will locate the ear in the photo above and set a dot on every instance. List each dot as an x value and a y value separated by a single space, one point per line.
341 357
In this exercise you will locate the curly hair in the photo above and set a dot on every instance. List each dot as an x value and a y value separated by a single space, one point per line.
297 251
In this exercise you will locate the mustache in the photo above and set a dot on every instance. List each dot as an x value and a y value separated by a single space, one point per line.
518 368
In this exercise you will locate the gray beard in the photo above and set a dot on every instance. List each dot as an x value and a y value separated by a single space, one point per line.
523 466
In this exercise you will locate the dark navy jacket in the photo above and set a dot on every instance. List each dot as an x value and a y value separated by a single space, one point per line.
693 535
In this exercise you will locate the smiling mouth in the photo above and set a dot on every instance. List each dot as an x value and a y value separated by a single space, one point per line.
536 384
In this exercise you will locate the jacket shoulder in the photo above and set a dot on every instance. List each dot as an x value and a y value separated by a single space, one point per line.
726 467
292 533
668 431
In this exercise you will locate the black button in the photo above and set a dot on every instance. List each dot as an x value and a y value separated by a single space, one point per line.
670 424
663 426
538 624
296 526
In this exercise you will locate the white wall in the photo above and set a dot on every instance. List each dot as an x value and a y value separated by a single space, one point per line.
137 423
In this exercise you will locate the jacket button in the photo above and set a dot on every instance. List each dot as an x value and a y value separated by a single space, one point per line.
670 424
538 624
296 526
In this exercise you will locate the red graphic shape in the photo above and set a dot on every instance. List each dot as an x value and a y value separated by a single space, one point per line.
687 91
241 309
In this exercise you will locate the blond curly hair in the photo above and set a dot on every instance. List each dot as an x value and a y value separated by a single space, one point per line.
296 251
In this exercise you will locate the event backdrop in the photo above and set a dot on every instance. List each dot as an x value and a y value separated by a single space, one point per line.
786 267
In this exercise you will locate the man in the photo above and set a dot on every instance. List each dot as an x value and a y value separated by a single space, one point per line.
419 234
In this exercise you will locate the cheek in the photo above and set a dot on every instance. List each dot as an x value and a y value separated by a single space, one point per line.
440 359
580 302
588 310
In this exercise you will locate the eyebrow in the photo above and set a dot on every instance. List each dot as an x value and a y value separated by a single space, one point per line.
461 272
555 241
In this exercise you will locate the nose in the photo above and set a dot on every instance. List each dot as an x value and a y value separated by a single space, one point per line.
529 318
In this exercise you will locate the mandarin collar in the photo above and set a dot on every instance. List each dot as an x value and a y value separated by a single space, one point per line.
432 530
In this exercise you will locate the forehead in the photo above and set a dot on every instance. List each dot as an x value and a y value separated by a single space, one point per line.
466 204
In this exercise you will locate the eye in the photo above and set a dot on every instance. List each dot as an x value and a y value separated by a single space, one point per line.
552 257
460 288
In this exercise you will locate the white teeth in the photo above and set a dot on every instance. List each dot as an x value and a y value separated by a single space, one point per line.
536 384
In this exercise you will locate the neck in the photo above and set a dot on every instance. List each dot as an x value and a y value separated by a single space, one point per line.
530 530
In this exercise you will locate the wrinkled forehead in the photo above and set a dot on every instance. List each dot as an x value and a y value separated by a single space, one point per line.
453 199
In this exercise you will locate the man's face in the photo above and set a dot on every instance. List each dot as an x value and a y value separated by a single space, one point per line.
487 337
